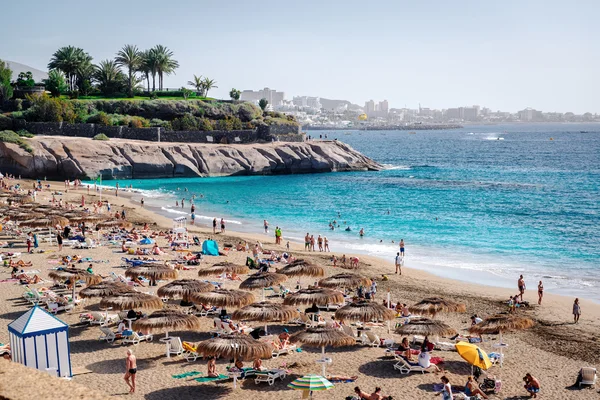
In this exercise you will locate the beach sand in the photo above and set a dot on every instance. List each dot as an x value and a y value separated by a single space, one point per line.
553 350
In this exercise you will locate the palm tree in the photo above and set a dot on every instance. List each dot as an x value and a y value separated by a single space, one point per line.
70 60
164 63
145 66
197 83
130 57
109 76
208 84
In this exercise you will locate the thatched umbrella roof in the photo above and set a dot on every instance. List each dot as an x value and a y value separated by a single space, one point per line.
236 346
265 311
302 268
319 337
182 288
20 198
223 267
19 215
434 305
132 300
223 298
262 280
320 296
104 289
151 271
50 220
426 327
114 223
167 320
365 311
501 323
75 274
344 280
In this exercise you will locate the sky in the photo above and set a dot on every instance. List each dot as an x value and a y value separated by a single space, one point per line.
506 55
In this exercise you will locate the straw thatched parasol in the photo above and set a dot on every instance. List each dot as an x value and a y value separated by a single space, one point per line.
167 320
344 280
265 311
426 327
223 298
132 300
319 296
434 305
182 288
365 311
237 346
302 268
262 280
153 272
499 324
321 337
74 274
223 267
47 221
104 289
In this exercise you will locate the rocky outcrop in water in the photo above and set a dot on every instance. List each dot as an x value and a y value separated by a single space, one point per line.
57 157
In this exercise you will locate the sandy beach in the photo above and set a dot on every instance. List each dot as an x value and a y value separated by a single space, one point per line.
553 350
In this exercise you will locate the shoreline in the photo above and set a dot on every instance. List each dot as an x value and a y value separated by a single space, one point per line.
440 270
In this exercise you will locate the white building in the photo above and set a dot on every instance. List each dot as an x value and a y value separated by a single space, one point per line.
274 97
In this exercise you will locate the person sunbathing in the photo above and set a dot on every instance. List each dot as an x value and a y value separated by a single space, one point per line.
341 378
284 339
211 368
405 350
471 388
124 248
157 251
257 365
19 263
26 280
376 395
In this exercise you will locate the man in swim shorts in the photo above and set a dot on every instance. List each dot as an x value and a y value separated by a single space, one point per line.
402 247
131 367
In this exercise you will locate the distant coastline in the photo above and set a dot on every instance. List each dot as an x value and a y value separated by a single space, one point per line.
418 127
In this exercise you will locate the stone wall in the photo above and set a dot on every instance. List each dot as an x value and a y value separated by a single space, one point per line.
283 133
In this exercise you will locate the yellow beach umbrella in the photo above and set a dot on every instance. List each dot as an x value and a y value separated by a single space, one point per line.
473 355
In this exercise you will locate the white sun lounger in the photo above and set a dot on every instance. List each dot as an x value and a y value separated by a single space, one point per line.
269 376
135 338
107 335
405 368
588 376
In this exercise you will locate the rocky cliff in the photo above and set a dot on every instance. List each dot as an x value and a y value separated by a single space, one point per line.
58 157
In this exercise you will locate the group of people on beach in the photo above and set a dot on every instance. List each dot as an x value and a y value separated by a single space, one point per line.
322 242
517 300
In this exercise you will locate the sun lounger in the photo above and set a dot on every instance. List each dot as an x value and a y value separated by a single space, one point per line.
55 308
588 376
135 338
270 376
175 346
371 339
190 353
107 335
286 350
406 367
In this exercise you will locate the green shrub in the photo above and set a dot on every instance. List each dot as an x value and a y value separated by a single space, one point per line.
100 136
153 96
5 122
186 123
19 104
155 122
25 133
100 118
138 122
205 124
47 109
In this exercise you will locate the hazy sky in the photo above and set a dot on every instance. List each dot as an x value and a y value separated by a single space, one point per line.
506 55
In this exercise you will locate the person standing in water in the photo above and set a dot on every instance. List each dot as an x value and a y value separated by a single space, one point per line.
266 225
131 367
402 247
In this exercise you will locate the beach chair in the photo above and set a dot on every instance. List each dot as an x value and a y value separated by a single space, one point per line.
588 376
372 339
190 353
218 329
406 367
175 346
107 335
136 338
269 376
286 350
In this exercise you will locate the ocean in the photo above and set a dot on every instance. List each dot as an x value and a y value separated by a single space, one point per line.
481 204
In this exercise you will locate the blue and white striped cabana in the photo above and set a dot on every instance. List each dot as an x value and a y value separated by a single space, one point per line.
40 340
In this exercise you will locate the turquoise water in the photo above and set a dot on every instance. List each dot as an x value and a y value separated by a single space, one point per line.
482 203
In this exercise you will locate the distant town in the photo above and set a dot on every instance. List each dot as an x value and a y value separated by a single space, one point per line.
321 113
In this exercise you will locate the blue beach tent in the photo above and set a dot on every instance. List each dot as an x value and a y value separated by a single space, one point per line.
210 248
40 340
146 241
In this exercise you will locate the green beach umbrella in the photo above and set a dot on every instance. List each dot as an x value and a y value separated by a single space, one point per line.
310 383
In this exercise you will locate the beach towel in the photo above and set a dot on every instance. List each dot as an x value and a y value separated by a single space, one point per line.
186 374
338 380
211 378
210 248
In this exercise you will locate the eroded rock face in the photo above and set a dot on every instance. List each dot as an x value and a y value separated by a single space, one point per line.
68 157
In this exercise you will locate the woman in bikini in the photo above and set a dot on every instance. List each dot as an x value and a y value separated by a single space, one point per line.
540 292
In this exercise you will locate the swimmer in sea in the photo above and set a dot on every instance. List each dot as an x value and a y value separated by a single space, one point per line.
362 232
348 229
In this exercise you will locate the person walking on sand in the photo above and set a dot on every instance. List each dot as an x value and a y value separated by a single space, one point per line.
320 243
398 264
131 367
307 242
214 226
540 292
326 243
222 225
312 242
576 311
402 247
182 203
521 285
59 241
142 202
